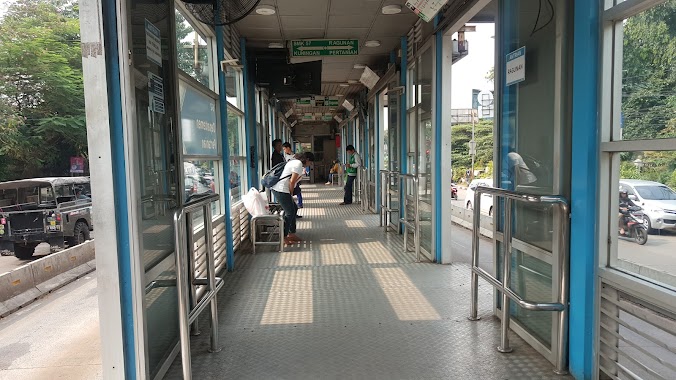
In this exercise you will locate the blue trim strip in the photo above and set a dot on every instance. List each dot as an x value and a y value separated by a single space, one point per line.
437 143
225 149
584 184
377 153
120 187
249 128
365 137
403 118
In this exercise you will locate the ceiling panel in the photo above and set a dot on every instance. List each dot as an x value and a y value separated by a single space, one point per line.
302 7
357 7
340 59
302 22
257 21
358 33
353 21
261 34
393 25
299 34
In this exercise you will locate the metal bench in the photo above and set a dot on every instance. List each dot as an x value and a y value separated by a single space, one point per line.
271 227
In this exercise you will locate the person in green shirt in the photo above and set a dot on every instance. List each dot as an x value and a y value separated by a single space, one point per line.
353 164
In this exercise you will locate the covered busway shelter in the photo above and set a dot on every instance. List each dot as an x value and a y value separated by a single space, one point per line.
185 98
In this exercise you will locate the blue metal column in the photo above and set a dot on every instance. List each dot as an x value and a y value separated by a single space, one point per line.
438 210
225 149
403 119
117 141
249 119
377 153
365 139
584 185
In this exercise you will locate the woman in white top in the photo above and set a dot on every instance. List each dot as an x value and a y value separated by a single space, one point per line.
283 190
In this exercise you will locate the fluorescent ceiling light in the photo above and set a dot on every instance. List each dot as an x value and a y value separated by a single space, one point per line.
359 66
352 81
372 43
391 9
266 10
276 45
344 85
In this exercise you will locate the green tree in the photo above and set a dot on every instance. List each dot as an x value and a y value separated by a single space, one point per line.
41 88
461 135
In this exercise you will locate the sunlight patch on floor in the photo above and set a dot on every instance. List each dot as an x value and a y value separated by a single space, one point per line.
337 254
355 223
290 299
376 253
405 298
294 259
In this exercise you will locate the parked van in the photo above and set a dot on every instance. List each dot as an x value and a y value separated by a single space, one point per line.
486 199
658 202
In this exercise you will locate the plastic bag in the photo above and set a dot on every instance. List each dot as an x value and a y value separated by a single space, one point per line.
255 202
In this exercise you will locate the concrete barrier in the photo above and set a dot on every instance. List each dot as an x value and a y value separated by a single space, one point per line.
29 282
465 218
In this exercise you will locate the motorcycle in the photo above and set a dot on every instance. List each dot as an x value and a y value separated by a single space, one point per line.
635 227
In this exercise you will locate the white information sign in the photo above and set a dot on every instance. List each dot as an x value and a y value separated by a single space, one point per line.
515 69
153 44
425 9
156 93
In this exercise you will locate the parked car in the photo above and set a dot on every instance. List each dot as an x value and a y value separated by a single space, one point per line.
51 210
486 200
657 200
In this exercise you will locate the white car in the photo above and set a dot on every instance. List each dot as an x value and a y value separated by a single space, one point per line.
658 202
486 199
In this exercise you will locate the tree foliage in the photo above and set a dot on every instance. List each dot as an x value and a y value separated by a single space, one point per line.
42 117
461 135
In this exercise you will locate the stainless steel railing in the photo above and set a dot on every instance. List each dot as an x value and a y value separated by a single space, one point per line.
405 220
561 306
189 307
363 189
386 209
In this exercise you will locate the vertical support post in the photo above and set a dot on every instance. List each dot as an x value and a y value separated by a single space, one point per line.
474 285
211 270
225 149
416 232
403 121
564 286
506 277
182 290
191 272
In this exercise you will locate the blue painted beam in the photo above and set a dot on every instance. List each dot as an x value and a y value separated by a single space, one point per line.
403 118
584 185
438 191
378 164
117 142
225 149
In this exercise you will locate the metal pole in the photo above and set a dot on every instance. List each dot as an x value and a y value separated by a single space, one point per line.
181 288
190 243
211 268
474 285
403 184
562 346
416 232
383 200
506 275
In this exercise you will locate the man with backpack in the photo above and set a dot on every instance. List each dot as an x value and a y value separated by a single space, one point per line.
282 186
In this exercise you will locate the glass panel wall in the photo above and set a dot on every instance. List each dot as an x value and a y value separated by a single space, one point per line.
238 162
194 54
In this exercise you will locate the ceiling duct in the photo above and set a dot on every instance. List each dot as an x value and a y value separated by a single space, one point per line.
220 12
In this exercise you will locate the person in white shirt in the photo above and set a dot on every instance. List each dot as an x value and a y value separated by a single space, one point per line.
283 190
288 155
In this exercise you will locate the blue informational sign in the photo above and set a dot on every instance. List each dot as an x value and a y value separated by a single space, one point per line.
515 67
198 123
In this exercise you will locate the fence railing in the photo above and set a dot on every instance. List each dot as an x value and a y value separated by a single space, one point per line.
561 256
386 208
406 220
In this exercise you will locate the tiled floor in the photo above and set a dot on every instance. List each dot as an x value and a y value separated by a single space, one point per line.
350 303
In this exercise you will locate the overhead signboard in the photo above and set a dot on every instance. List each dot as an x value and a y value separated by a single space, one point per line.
515 68
318 101
425 9
318 48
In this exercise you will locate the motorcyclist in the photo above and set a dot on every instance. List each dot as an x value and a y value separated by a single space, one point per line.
625 204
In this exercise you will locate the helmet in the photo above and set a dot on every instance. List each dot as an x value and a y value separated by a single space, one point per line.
623 192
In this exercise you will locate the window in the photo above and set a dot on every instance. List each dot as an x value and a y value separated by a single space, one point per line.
639 143
238 166
233 87
201 177
193 51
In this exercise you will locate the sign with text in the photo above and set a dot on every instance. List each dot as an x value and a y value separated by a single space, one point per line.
199 129
316 48
156 93
425 9
515 69
77 165
153 44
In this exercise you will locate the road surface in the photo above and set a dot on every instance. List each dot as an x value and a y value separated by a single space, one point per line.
7 263
56 337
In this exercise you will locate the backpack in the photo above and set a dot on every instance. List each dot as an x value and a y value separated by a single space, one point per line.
272 177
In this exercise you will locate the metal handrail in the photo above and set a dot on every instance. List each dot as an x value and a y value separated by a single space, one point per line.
504 286
363 188
189 311
386 209
415 178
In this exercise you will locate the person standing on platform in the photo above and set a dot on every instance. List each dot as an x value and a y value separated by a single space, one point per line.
293 172
353 164
277 155
288 155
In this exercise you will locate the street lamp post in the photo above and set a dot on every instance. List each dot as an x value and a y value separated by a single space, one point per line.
639 164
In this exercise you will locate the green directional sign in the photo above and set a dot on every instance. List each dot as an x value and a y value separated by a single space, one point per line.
317 48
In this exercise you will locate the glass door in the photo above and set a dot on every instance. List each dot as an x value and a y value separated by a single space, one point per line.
534 157
156 171
392 156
